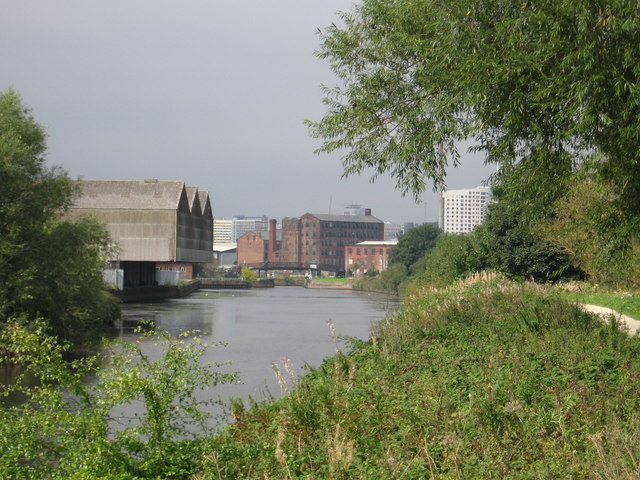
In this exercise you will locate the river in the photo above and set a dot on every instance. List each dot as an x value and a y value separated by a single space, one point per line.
264 326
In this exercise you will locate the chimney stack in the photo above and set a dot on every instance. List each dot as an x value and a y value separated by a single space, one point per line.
271 253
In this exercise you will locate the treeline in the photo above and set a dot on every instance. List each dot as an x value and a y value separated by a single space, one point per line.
579 234
546 91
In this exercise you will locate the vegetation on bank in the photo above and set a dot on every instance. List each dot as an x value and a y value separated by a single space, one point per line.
495 378
487 378
626 303
490 380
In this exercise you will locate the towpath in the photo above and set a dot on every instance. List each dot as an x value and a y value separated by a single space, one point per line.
632 324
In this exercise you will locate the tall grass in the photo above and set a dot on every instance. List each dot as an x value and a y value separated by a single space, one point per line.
486 379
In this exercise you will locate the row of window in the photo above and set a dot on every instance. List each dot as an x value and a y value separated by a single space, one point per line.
366 251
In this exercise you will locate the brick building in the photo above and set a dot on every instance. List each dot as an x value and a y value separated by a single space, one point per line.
252 249
313 241
368 255
317 241
259 249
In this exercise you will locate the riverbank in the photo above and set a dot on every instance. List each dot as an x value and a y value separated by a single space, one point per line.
491 380
484 379
186 288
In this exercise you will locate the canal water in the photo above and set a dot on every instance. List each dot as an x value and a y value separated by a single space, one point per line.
262 327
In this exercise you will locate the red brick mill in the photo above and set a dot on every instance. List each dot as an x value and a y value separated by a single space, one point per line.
313 242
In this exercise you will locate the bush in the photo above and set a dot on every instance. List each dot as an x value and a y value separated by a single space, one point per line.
453 257
68 429
249 275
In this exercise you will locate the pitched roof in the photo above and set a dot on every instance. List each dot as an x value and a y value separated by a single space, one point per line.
130 194
194 200
205 203
346 218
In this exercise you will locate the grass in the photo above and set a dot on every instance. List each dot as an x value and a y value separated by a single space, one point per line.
486 379
625 302
490 380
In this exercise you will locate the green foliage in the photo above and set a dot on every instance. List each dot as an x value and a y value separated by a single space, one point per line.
454 257
392 278
507 244
592 225
248 274
49 268
412 245
491 380
68 428
532 81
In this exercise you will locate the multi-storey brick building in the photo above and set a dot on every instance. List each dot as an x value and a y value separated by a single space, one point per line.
313 241
317 241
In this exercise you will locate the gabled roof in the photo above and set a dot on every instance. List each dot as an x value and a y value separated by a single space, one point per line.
130 194
345 218
205 203
194 200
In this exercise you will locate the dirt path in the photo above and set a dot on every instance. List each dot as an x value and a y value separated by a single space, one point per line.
632 324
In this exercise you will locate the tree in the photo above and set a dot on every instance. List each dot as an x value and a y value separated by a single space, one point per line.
392 278
453 257
547 82
49 268
591 227
507 243
412 245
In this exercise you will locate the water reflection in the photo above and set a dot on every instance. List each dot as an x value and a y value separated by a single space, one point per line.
262 327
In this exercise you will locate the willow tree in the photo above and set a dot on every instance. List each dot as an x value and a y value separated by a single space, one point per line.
545 82
540 87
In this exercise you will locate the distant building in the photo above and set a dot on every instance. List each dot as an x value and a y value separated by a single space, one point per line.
242 225
252 249
356 211
408 226
317 240
463 210
157 226
226 254
392 231
223 231
259 249
313 241
369 255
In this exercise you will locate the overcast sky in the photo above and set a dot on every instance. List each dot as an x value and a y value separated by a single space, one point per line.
208 92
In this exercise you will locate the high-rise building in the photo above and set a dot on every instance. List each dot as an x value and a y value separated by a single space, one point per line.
392 231
222 231
463 210
242 225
